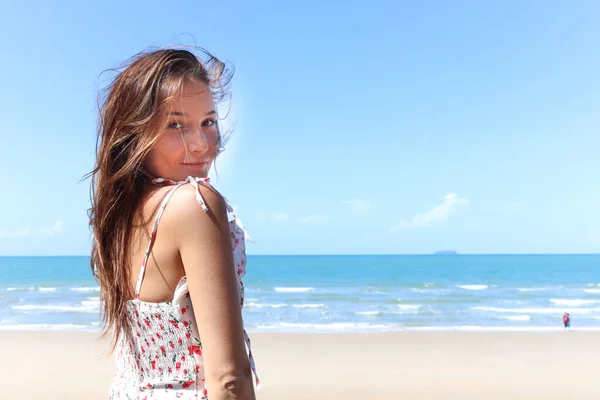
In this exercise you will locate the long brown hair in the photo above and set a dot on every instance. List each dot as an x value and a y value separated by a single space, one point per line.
130 121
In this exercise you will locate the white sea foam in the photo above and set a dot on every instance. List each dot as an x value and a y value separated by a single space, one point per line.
90 303
534 289
20 289
333 327
85 289
57 308
253 304
45 327
409 306
294 289
593 291
526 310
47 289
473 287
369 327
373 290
517 317
475 328
573 302
308 305
369 313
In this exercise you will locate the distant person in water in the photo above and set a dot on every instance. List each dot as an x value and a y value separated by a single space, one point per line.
567 321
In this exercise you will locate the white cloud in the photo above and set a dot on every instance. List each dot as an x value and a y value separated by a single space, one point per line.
312 219
28 232
440 212
359 206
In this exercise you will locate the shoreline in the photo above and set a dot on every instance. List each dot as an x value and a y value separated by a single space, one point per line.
74 328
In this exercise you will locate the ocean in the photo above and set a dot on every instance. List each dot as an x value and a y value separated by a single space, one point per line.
370 293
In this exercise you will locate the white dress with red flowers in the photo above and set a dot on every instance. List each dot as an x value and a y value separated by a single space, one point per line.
160 356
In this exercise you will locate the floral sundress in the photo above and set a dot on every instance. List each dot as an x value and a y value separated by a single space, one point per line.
160 357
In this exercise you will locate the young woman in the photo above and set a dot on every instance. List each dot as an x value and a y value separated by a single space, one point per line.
168 250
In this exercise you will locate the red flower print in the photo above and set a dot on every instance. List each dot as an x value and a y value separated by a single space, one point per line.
157 316
182 358
158 335
174 323
185 371
169 386
198 370
183 310
187 335
143 351
147 323
188 384
178 366
163 351
195 350
204 392
185 323
180 341
172 345
153 363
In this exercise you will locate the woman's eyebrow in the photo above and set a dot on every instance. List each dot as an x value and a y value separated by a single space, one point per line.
182 114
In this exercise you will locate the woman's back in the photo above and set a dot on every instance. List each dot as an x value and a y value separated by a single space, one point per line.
159 356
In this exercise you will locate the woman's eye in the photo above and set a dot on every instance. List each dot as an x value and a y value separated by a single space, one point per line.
209 122
175 125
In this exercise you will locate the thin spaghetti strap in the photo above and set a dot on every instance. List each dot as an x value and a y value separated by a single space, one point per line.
162 207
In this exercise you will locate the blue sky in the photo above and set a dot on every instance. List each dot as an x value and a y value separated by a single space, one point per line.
360 127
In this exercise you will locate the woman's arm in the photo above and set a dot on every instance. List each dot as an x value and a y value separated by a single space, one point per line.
204 243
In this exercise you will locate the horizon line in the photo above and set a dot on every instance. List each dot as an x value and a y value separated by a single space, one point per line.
345 254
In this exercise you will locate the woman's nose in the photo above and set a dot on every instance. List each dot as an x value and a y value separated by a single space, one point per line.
198 140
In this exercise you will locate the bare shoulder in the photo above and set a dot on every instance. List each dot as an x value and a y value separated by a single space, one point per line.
188 215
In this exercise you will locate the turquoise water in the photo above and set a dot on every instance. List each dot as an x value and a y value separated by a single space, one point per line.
344 293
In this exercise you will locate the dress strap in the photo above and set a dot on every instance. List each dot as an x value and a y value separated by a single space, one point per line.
206 182
161 209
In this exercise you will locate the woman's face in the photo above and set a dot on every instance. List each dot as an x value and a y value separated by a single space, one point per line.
188 143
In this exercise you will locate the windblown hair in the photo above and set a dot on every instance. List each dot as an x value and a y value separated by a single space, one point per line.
131 119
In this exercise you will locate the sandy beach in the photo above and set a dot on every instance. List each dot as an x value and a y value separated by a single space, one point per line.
428 365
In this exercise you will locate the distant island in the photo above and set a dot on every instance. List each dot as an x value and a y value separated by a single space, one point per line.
445 252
